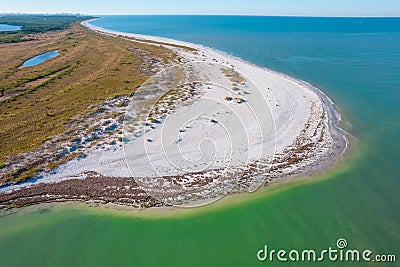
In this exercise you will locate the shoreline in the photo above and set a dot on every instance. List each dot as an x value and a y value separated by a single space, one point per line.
231 200
332 105
329 106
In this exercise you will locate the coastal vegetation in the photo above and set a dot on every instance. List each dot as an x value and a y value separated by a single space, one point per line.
31 24
38 103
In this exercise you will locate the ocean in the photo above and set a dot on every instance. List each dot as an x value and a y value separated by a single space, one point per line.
355 61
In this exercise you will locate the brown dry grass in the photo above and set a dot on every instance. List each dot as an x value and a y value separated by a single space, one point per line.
39 100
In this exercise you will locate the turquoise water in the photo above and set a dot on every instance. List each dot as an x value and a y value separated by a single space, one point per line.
355 61
40 58
6 27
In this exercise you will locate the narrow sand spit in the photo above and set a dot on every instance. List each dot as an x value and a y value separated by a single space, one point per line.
210 125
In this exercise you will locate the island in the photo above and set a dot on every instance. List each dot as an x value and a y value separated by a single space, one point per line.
147 121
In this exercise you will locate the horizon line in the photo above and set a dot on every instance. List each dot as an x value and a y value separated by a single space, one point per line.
195 14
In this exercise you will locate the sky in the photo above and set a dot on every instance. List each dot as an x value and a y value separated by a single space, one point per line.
228 7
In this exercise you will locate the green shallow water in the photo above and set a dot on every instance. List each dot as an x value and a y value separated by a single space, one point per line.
357 199
314 214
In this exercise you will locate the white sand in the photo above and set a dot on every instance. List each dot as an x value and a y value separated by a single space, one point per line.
280 115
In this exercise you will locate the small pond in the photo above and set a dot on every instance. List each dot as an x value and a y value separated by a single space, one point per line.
40 58
6 27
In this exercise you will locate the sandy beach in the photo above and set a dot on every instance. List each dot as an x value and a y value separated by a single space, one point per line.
208 126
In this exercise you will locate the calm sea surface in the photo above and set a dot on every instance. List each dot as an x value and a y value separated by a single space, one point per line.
356 61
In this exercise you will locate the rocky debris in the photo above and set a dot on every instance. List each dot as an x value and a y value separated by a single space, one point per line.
94 187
